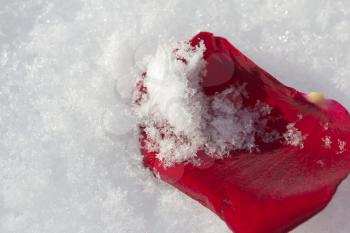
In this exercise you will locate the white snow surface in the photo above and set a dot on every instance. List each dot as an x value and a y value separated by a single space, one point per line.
69 158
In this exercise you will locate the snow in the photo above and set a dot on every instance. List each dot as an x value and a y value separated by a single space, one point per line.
69 160
179 119
170 107
341 146
293 136
327 142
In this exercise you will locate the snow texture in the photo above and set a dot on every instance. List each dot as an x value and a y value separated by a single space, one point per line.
180 120
69 159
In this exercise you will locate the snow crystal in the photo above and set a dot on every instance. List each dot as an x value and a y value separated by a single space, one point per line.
326 126
293 136
300 116
327 142
341 146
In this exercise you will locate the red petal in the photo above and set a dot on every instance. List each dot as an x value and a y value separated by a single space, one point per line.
282 185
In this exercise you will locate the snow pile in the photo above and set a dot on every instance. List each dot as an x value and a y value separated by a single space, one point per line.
171 109
179 119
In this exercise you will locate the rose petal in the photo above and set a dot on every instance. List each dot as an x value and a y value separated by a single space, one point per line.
281 185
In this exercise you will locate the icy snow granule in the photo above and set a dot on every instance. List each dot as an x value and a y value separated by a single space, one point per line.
341 146
294 136
327 142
